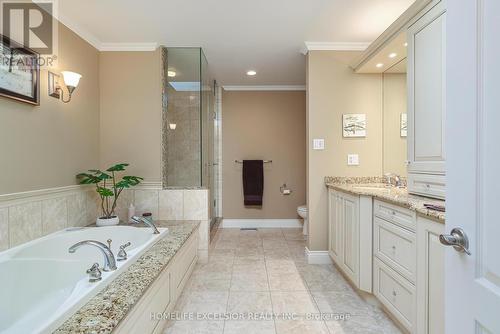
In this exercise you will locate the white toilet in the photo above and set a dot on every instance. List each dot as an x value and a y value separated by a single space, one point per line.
302 211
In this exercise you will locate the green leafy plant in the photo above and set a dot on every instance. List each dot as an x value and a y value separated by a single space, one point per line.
107 186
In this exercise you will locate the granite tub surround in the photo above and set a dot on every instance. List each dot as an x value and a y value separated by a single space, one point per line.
105 310
375 187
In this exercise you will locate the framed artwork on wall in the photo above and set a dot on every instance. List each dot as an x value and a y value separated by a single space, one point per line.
19 72
404 125
354 125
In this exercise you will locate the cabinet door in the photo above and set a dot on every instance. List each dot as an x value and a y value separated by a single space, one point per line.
335 226
430 277
350 260
426 92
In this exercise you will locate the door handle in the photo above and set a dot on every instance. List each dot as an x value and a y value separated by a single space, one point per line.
458 239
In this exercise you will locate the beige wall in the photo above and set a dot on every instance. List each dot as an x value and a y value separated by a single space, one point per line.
394 105
333 89
264 125
46 146
131 114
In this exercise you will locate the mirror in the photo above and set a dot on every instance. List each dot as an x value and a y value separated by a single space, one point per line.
388 59
394 119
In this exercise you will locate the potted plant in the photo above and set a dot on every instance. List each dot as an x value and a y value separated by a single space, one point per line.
109 190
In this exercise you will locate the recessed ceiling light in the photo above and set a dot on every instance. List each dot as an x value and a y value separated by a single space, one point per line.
393 55
251 73
171 74
379 65
406 44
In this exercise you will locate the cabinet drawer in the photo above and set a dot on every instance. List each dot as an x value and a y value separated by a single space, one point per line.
395 214
396 247
427 185
395 292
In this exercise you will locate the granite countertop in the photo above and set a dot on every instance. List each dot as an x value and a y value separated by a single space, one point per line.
376 188
106 309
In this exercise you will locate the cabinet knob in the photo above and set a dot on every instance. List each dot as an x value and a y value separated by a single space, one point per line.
394 293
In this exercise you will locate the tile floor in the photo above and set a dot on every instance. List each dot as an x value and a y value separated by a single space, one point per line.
260 273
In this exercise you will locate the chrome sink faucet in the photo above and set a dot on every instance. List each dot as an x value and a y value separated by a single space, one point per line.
109 258
137 220
397 180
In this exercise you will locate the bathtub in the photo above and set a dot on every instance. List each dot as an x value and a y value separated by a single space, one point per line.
42 284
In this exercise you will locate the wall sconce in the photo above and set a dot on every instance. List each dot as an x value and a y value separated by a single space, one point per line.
172 126
71 80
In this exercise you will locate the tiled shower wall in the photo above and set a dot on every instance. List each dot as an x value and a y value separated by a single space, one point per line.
183 167
28 217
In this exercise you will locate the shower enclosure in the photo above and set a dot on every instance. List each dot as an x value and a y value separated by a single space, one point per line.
188 122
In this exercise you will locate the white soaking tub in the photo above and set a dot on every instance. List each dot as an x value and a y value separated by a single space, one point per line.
42 284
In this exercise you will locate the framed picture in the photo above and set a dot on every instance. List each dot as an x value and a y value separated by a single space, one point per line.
404 125
19 72
354 125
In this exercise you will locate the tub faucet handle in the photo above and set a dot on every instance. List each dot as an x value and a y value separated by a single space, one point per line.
95 274
122 254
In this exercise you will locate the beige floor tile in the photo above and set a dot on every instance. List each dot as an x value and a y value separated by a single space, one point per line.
227 244
249 302
277 254
295 302
251 260
258 267
281 266
286 282
347 302
293 234
271 233
195 327
249 282
274 244
249 327
201 302
302 327
201 283
244 251
363 325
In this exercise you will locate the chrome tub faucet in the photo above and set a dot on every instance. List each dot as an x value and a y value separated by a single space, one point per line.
137 220
109 258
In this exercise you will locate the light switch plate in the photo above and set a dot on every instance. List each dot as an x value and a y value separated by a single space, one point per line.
318 144
353 159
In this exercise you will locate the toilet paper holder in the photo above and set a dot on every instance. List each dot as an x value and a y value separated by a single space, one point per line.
285 190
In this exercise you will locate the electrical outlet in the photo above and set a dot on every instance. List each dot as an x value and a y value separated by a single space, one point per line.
318 144
352 159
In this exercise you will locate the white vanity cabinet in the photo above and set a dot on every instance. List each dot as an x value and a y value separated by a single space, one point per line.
395 261
408 267
430 277
349 236
426 74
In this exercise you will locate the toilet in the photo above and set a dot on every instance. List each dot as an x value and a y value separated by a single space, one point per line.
302 211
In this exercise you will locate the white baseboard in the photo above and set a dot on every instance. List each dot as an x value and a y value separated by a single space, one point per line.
317 257
261 223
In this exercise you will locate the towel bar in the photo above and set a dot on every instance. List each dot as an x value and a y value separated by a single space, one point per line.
241 161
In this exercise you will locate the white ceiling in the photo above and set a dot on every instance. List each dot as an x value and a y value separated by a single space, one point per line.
236 35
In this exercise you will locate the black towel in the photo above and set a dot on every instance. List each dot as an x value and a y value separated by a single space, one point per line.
253 182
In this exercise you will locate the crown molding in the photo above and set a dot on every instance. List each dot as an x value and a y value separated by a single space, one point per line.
100 46
265 88
334 46
80 31
105 47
